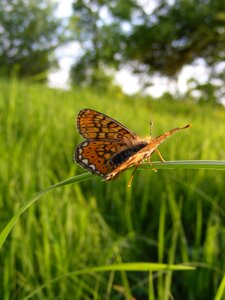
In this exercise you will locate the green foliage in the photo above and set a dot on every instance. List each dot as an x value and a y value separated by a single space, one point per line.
178 35
29 34
98 43
172 216
96 78
117 33
207 92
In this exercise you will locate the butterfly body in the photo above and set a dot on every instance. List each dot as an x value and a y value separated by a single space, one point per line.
110 148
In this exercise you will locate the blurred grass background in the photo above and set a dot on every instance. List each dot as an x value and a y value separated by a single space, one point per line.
172 216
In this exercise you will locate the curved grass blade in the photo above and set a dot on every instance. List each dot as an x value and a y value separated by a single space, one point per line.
191 164
140 267
11 223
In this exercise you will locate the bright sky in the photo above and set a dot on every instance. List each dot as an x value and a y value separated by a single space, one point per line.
67 56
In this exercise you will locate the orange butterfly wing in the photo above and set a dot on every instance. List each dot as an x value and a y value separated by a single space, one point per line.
105 138
94 125
95 155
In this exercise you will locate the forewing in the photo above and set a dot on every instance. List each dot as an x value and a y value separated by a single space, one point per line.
95 155
94 125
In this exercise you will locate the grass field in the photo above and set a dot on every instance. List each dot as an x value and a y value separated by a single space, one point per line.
172 216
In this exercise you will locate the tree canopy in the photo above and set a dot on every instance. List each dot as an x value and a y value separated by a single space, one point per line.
29 33
161 40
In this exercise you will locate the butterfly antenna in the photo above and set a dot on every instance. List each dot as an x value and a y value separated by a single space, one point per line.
151 126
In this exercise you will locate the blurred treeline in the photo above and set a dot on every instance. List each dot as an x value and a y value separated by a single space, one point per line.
145 37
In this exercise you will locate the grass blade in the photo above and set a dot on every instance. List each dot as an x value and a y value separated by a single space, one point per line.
189 164
221 290
5 232
192 164
140 267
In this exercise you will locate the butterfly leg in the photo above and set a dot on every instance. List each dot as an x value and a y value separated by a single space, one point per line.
153 169
160 155
132 175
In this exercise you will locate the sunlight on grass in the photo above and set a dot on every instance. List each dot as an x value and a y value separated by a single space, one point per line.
221 290
11 223
172 218
191 164
216 165
128 267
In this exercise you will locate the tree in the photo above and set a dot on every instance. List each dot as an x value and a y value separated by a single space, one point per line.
97 43
178 35
29 33
123 33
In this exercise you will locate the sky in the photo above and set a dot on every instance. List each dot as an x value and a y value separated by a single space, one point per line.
68 54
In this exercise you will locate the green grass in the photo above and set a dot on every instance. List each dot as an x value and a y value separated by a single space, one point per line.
76 241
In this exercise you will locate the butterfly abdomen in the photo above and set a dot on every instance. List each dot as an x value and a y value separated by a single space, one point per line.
122 156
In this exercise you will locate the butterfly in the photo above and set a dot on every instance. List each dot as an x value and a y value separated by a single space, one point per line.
110 148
